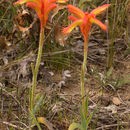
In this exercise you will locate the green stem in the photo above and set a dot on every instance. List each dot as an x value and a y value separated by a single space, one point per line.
35 71
83 73
111 55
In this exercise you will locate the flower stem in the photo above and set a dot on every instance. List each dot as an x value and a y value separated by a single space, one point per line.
35 71
83 74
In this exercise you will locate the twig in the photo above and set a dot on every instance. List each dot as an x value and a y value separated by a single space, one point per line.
107 126
12 125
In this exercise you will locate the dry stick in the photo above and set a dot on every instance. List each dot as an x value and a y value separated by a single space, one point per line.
107 126
12 125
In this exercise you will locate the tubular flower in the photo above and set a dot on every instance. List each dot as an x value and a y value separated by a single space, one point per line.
85 19
42 7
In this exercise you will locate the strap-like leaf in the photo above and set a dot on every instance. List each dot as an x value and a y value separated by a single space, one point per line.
83 119
37 106
34 120
45 122
74 126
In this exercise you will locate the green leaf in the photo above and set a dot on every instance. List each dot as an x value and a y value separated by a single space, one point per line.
86 105
109 72
34 120
30 94
90 117
124 81
117 81
37 106
83 120
74 126
32 66
127 52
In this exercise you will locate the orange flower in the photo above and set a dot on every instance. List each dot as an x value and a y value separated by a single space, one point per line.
42 7
85 20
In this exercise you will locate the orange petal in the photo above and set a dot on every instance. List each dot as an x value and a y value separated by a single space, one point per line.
35 7
72 26
25 1
62 1
96 21
51 7
100 9
72 18
76 11
58 1
51 1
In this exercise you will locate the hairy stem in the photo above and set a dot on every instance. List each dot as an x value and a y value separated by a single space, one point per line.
83 73
111 55
35 71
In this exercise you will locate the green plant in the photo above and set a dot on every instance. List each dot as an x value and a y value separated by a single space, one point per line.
84 121
116 82
42 8
84 20
107 80
117 17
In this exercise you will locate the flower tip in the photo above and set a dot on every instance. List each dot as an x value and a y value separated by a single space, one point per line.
66 0
16 3
107 5
105 28
64 31
62 1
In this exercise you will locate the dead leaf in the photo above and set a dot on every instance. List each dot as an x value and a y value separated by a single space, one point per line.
60 84
116 101
60 37
112 108
66 74
22 19
57 107
23 69
49 25
44 121
5 59
51 73
4 43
